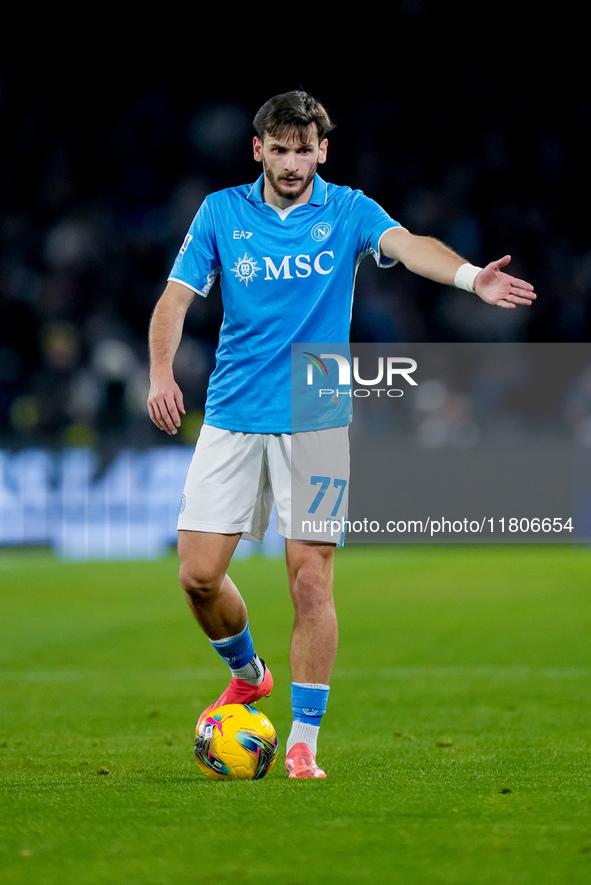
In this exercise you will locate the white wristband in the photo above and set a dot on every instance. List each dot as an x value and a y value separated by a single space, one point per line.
465 276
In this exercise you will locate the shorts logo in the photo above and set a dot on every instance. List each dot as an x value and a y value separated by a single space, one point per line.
246 269
321 231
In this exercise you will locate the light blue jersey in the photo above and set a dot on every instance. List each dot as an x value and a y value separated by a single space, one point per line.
287 276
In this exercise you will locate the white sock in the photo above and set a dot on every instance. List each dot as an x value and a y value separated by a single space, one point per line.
303 733
253 672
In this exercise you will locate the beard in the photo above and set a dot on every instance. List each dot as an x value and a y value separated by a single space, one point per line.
286 191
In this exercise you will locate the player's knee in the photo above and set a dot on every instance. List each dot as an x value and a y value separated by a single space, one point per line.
200 582
311 592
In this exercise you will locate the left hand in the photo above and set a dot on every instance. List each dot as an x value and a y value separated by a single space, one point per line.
501 289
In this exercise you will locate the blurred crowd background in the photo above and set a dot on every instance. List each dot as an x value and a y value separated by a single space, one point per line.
99 181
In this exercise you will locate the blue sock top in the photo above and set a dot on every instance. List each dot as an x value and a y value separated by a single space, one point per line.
236 651
308 704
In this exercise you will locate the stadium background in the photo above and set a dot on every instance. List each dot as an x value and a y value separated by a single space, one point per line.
478 135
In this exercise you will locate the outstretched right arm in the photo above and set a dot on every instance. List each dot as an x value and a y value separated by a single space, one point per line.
165 400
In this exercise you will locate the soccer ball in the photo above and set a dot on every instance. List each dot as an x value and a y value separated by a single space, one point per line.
235 742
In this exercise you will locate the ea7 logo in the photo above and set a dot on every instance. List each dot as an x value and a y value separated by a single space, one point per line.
242 234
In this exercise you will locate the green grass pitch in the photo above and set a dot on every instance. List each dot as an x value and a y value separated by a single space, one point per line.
457 740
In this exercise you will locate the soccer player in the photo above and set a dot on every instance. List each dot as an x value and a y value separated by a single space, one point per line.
287 248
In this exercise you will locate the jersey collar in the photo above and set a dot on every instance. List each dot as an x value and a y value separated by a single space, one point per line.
318 198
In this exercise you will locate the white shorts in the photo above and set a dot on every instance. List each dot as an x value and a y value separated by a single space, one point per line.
235 479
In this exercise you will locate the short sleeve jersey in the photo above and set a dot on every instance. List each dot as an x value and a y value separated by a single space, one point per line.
286 277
